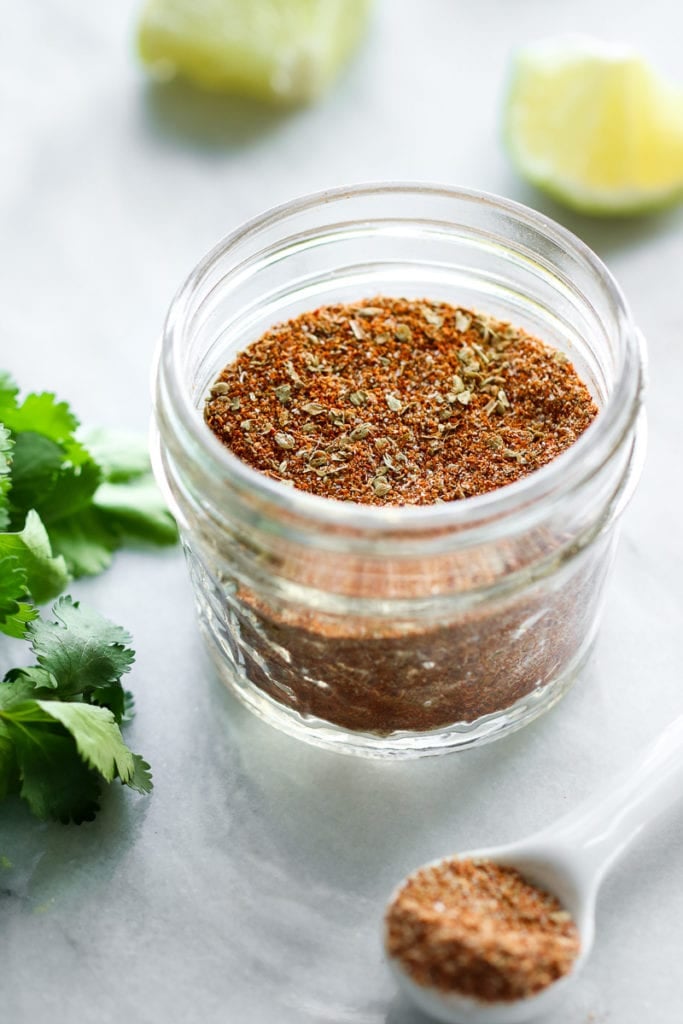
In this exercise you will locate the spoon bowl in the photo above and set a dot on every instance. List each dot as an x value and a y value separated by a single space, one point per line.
568 860
452 1008
543 866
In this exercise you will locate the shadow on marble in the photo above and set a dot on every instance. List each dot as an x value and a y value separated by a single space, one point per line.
358 821
402 1011
182 113
40 861
605 235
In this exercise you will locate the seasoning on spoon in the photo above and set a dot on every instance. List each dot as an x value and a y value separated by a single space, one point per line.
480 929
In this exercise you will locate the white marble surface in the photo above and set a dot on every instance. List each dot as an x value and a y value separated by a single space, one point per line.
249 887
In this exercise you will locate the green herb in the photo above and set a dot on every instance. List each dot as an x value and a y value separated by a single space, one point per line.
67 501
5 481
60 739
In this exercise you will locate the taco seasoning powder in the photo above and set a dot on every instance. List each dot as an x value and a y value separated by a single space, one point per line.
480 929
391 402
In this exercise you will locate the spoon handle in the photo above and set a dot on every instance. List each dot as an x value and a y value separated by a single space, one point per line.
601 828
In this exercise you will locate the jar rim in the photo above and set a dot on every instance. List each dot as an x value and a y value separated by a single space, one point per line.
551 482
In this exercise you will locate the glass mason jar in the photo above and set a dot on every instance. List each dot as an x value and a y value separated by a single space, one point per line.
400 631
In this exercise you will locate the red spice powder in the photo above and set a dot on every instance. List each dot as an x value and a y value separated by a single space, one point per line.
396 402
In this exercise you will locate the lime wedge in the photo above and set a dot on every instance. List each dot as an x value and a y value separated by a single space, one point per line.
593 125
281 50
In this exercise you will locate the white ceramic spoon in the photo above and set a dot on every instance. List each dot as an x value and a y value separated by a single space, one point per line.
570 859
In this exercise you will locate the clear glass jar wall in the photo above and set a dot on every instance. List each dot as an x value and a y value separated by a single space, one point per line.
400 631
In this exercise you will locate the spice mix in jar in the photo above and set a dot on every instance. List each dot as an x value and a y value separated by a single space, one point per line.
386 556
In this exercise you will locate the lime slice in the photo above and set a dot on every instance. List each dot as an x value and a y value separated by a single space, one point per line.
283 50
595 126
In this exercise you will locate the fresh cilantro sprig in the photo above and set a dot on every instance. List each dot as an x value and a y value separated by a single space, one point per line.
67 501
60 740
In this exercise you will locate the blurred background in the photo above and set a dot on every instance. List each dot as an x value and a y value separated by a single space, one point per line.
112 186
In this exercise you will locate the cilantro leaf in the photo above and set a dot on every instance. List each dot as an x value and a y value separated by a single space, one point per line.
22 684
14 612
111 696
121 456
119 701
6 445
16 624
141 779
39 413
137 510
59 733
73 492
86 541
98 737
8 395
45 576
36 463
81 650
12 586
54 781
92 492
9 770
131 510
128 707
44 479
